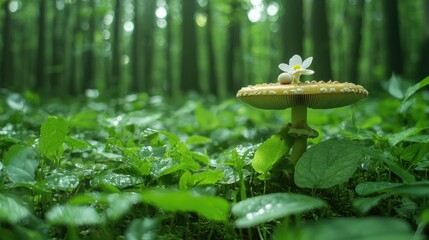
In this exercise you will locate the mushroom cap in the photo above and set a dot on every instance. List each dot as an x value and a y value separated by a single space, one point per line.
317 95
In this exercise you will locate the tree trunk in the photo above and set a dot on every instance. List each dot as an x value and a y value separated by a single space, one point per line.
320 39
292 29
213 78
392 37
234 63
169 84
41 48
148 42
7 66
352 74
89 55
114 86
423 69
189 65
136 64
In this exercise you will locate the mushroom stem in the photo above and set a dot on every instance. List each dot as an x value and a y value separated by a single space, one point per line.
299 118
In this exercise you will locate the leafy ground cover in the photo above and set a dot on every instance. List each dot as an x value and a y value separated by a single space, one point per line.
142 167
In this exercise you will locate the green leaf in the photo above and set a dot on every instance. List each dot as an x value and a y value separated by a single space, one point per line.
206 119
21 163
196 139
363 205
12 210
327 164
214 208
413 89
367 188
77 144
59 181
395 87
73 215
208 177
186 181
146 229
52 135
260 209
116 179
400 136
369 228
272 151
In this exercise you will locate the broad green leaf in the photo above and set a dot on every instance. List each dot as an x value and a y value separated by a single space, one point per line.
214 208
206 120
21 164
395 87
116 179
207 177
143 229
120 204
400 136
77 144
186 181
272 151
363 205
367 188
196 139
260 209
52 135
369 228
12 210
413 89
59 181
73 215
327 164
85 120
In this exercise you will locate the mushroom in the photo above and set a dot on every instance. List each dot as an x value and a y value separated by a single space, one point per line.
300 96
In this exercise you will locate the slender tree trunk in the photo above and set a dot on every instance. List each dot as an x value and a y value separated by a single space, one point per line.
89 55
148 45
423 64
213 78
292 28
41 47
189 65
320 39
7 66
355 41
116 43
136 65
169 84
57 64
65 84
234 64
392 37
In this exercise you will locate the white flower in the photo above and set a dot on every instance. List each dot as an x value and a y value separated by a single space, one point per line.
297 67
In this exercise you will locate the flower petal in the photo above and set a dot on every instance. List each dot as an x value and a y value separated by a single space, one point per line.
307 62
284 67
303 71
295 60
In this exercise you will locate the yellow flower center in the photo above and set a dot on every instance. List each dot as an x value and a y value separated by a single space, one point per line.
296 67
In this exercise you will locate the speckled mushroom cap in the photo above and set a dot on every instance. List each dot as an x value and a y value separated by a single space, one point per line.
317 95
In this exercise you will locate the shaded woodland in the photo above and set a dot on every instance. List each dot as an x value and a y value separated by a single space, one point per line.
170 47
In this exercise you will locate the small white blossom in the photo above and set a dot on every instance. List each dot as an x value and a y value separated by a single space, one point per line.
297 67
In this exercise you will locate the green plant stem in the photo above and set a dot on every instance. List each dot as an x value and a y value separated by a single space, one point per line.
299 116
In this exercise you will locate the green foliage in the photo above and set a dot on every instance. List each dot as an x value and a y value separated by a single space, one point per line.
260 209
167 172
328 164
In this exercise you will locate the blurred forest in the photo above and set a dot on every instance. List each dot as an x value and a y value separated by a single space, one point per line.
170 47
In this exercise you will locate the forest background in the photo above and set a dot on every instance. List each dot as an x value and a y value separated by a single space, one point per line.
171 47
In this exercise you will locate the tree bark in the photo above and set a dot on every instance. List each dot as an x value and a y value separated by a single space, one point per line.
352 74
423 69
169 84
114 86
320 39
189 65
136 65
234 64
148 43
392 37
89 55
213 78
41 47
7 65
292 29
